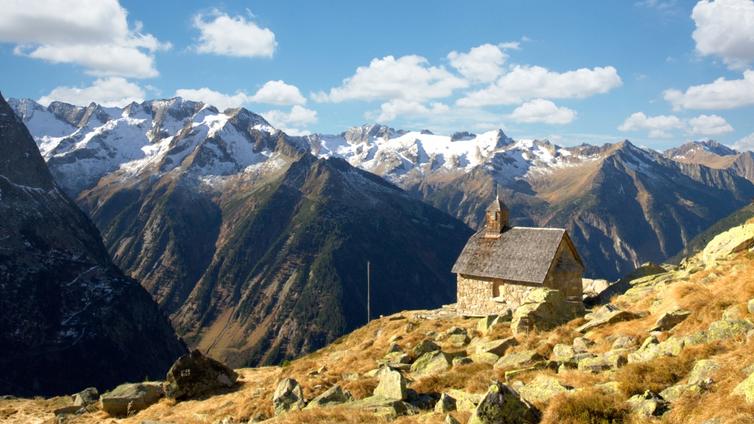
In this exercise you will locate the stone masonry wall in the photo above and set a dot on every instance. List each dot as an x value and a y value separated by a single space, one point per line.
476 296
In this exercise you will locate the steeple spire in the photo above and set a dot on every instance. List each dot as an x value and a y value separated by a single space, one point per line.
497 217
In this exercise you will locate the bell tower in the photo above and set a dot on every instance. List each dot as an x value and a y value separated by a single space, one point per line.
497 217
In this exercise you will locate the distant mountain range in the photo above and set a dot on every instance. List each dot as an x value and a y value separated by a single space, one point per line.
255 247
227 221
69 318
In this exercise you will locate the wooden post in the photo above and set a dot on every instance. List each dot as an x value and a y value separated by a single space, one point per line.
369 284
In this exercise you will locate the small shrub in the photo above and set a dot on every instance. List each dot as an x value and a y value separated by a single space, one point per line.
586 407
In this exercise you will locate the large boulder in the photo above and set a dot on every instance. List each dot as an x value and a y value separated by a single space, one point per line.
608 314
288 396
335 395
502 405
541 389
86 397
725 329
724 244
544 309
130 398
392 385
193 375
670 319
431 363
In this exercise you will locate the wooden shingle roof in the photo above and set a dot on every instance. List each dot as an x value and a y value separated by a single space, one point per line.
520 254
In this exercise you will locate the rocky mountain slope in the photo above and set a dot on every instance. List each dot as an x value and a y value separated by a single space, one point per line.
715 155
255 248
625 205
68 317
674 348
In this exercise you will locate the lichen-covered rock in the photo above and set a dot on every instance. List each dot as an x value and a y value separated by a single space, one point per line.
424 346
594 365
465 401
130 398
673 393
750 306
746 389
446 403
734 240
544 309
734 312
502 405
288 396
624 342
86 397
673 346
581 344
194 374
450 420
461 360
517 359
392 385
497 347
431 363
563 353
386 408
335 395
670 319
647 404
725 329
541 389
608 314
484 358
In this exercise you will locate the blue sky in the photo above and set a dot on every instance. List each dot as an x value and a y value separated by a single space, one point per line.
657 72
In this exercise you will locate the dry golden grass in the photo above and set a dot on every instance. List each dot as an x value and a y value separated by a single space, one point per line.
588 406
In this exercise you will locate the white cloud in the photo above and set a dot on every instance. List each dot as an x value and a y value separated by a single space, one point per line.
293 120
709 125
113 91
233 36
407 77
407 108
719 94
528 82
272 92
658 126
480 64
744 144
542 111
211 97
91 33
725 28
279 93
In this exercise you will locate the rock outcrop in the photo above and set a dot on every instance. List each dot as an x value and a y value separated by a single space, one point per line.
193 375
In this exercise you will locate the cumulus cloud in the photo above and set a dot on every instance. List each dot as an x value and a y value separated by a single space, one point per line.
113 91
279 93
92 33
542 111
709 125
226 35
529 82
217 99
407 108
407 77
719 94
744 144
293 120
480 64
725 28
272 92
658 126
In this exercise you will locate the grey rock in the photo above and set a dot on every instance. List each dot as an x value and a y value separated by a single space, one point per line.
288 396
130 398
86 397
335 395
392 385
446 404
647 404
431 363
670 319
502 405
193 375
